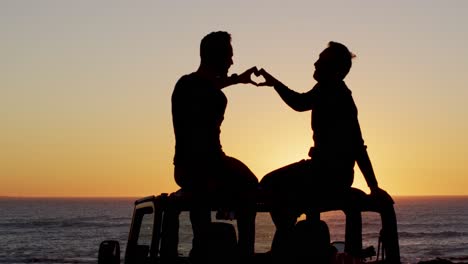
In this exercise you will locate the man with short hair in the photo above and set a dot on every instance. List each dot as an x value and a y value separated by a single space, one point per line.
338 144
200 165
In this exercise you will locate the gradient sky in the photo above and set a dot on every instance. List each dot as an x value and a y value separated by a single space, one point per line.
85 89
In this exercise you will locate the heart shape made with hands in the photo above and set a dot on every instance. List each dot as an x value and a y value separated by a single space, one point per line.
257 78
252 76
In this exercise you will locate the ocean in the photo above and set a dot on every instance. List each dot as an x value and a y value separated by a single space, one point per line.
69 230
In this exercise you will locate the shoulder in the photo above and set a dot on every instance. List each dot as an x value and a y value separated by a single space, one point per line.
186 83
182 87
186 80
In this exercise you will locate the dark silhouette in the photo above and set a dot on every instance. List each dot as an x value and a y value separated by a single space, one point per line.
201 166
338 144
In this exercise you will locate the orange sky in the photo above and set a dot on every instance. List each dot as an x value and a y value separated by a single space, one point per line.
85 97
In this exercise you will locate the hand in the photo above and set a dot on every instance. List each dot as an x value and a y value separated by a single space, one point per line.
246 77
269 79
381 195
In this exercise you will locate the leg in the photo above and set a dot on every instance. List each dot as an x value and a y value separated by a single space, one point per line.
241 187
246 226
196 180
284 221
200 217
282 189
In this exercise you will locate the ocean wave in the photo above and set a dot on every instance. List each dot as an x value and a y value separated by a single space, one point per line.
65 223
462 258
48 260
452 224
439 235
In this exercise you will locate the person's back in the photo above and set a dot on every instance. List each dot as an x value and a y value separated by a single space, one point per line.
334 119
197 113
336 133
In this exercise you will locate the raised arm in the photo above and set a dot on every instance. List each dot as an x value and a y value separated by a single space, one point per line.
297 101
244 77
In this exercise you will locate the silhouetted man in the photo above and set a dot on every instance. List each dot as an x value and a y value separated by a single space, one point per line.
338 144
201 166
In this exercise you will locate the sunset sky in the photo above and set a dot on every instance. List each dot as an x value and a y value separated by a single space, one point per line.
85 89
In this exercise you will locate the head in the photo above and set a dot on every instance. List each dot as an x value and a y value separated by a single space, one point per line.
334 63
216 52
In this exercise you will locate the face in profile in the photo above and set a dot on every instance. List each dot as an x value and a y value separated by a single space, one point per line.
224 63
325 69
